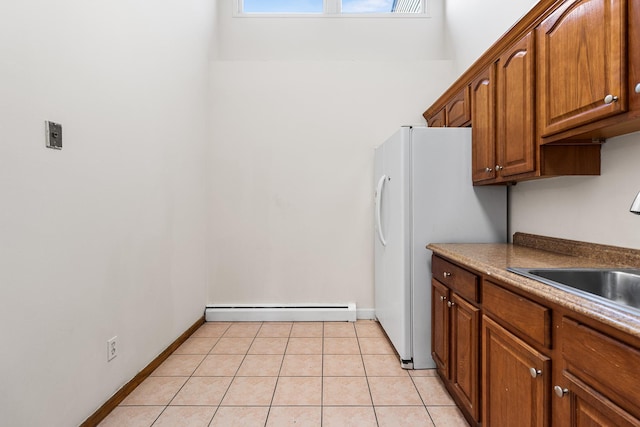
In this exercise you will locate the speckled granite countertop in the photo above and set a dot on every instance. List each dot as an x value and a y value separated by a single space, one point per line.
492 259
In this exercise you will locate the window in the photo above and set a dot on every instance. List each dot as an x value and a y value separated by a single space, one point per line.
282 6
331 7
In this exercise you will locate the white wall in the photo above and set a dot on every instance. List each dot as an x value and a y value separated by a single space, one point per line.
106 236
593 209
472 26
298 106
330 37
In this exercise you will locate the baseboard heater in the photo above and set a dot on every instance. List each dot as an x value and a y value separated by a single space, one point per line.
275 313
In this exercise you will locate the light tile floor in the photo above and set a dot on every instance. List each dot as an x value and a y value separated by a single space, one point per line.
284 374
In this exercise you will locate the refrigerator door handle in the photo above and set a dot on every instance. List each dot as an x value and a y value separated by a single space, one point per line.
379 188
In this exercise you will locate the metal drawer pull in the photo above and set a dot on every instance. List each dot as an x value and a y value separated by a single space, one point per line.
446 274
559 391
610 99
535 372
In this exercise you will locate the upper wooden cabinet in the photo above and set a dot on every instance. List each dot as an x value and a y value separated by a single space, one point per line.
560 81
483 130
456 113
581 64
516 143
502 105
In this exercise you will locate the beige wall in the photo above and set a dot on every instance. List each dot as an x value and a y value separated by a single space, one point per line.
593 209
299 104
292 174
106 236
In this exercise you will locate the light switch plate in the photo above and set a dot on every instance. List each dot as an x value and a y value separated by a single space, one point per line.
53 133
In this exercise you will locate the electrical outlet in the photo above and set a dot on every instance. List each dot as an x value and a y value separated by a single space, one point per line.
112 348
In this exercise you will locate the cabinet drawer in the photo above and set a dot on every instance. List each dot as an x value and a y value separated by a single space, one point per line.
526 316
455 278
604 363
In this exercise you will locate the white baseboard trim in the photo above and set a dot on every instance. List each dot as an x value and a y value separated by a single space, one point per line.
366 313
281 313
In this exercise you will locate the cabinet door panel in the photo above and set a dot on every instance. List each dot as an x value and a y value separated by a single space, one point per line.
590 408
438 120
465 333
516 131
483 126
458 109
511 396
440 326
581 60
608 364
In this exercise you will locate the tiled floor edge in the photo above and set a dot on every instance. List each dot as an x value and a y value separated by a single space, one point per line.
104 410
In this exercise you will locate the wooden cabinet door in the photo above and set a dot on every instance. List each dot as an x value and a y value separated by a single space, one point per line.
459 110
437 120
582 59
483 132
515 137
465 334
590 408
440 326
512 396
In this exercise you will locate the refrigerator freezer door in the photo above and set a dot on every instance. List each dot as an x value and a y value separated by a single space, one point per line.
393 260
426 197
446 208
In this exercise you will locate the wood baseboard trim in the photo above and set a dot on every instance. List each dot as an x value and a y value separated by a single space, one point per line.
126 389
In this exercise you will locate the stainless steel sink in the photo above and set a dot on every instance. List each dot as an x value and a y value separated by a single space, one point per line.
621 286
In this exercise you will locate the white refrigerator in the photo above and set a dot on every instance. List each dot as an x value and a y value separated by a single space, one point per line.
424 194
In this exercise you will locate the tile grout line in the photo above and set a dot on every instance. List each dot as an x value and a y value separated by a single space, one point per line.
237 369
424 404
188 378
364 368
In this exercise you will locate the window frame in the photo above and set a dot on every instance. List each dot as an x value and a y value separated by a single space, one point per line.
330 9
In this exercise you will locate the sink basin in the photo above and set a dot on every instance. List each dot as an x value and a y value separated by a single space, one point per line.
621 286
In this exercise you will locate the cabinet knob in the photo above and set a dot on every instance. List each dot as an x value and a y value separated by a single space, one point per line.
499 168
489 170
450 304
559 391
446 274
638 88
535 372
610 99
443 298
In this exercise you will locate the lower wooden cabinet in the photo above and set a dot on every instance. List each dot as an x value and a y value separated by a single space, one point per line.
465 324
515 380
511 359
440 327
455 345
